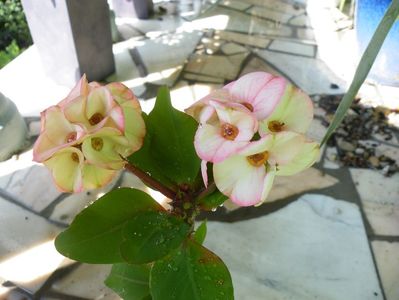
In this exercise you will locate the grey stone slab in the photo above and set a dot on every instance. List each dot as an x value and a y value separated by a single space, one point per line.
127 31
87 281
74 31
240 5
267 13
387 257
250 40
314 248
202 78
380 199
32 186
244 23
293 48
27 254
310 74
216 65
141 9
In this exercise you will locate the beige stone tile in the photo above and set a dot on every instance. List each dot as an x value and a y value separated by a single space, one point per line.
256 64
278 5
215 65
380 199
232 48
246 39
202 78
387 257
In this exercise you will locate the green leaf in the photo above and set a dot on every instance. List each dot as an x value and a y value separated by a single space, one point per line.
172 141
191 272
200 233
365 64
130 281
144 160
152 235
95 234
212 200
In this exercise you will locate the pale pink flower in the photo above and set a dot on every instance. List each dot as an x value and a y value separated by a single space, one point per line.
259 92
223 132
89 134
247 177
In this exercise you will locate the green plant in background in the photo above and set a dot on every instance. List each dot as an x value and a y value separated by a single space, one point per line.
14 33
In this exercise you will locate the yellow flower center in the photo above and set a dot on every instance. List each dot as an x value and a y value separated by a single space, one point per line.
275 126
96 118
249 106
97 143
75 157
258 159
229 131
71 137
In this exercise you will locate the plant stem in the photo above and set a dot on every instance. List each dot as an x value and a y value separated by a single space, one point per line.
211 188
151 182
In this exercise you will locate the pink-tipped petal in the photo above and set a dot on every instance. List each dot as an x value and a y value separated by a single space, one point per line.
247 87
95 177
269 97
285 147
65 166
122 94
240 181
304 159
207 141
204 172
80 89
99 101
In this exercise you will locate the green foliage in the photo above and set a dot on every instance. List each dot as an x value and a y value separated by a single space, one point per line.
169 151
95 235
200 233
130 281
191 272
13 25
152 235
212 200
9 53
365 64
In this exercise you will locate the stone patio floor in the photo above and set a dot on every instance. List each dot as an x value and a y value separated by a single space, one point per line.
331 232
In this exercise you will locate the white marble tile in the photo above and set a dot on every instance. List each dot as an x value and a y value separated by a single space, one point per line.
27 253
310 74
216 65
314 248
87 281
267 13
380 199
245 39
387 257
241 22
292 47
168 52
240 5
305 34
32 186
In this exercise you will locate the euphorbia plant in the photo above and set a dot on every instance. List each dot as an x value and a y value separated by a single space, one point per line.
245 134
230 144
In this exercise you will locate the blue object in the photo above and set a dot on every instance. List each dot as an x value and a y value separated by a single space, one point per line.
369 13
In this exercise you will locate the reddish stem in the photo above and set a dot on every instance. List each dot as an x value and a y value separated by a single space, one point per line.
151 182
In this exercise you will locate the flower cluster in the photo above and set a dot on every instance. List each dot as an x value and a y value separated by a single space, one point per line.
85 137
252 130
